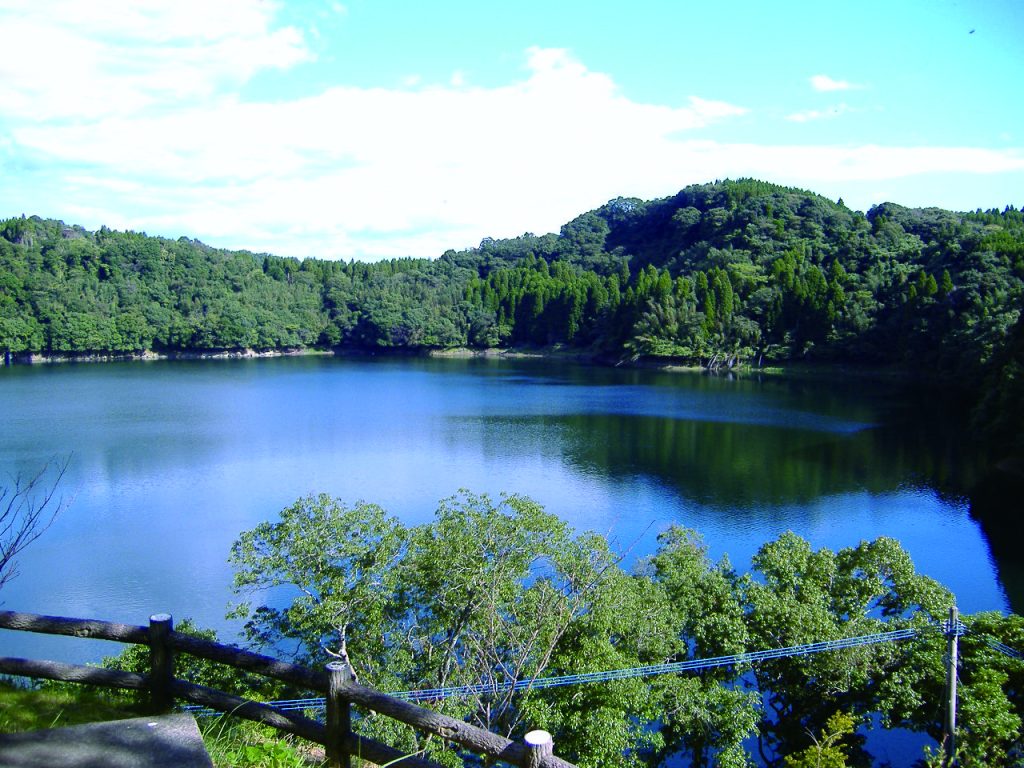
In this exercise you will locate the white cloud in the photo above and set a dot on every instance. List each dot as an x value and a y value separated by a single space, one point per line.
714 110
807 166
124 124
810 115
68 59
826 83
424 169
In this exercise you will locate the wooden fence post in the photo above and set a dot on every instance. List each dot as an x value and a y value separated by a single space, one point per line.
339 715
161 662
540 745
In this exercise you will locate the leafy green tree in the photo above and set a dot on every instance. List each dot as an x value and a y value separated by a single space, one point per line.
805 596
342 562
490 593
502 594
991 709
828 751
706 715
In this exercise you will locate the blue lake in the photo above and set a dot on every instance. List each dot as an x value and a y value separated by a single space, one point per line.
170 461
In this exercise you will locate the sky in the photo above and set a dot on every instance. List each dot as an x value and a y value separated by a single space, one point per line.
369 129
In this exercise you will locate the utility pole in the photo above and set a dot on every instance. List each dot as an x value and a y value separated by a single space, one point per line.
952 637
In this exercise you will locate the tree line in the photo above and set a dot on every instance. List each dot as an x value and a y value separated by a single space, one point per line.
720 274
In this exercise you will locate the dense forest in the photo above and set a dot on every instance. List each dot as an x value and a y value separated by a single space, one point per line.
734 272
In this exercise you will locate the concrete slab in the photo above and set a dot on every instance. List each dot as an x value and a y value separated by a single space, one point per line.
167 741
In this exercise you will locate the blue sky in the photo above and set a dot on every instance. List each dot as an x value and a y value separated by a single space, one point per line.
378 128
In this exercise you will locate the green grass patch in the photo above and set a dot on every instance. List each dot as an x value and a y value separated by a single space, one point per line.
25 707
234 743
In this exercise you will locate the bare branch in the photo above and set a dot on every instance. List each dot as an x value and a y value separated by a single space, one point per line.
28 507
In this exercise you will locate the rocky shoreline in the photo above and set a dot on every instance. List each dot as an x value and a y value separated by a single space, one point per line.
32 358
526 353
36 358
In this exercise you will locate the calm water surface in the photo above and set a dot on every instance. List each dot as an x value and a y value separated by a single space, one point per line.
172 460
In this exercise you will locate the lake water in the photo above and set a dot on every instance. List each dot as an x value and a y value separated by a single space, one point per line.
170 461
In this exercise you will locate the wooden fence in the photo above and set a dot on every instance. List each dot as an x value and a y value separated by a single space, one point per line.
335 682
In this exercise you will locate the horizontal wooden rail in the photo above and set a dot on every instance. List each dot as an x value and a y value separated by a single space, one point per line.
476 739
449 729
304 727
251 662
59 625
73 673
288 722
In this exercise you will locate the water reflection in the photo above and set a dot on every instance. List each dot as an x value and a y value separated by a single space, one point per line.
173 460
743 466
997 502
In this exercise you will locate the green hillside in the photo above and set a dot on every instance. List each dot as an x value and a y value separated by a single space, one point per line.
724 273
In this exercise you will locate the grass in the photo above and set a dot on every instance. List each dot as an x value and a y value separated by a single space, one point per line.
32 708
232 743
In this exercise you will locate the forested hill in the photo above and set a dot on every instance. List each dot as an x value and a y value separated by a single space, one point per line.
734 271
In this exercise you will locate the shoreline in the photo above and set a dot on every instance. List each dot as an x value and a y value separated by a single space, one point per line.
516 353
34 358
38 358
559 352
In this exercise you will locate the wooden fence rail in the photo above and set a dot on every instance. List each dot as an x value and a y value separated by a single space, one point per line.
335 682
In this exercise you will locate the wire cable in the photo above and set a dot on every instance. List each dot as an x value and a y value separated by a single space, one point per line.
691 665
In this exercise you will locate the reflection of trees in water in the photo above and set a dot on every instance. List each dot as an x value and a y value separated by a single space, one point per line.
747 467
997 502
920 438
726 455
744 468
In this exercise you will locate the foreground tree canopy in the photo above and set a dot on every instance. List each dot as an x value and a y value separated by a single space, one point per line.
718 274
501 592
